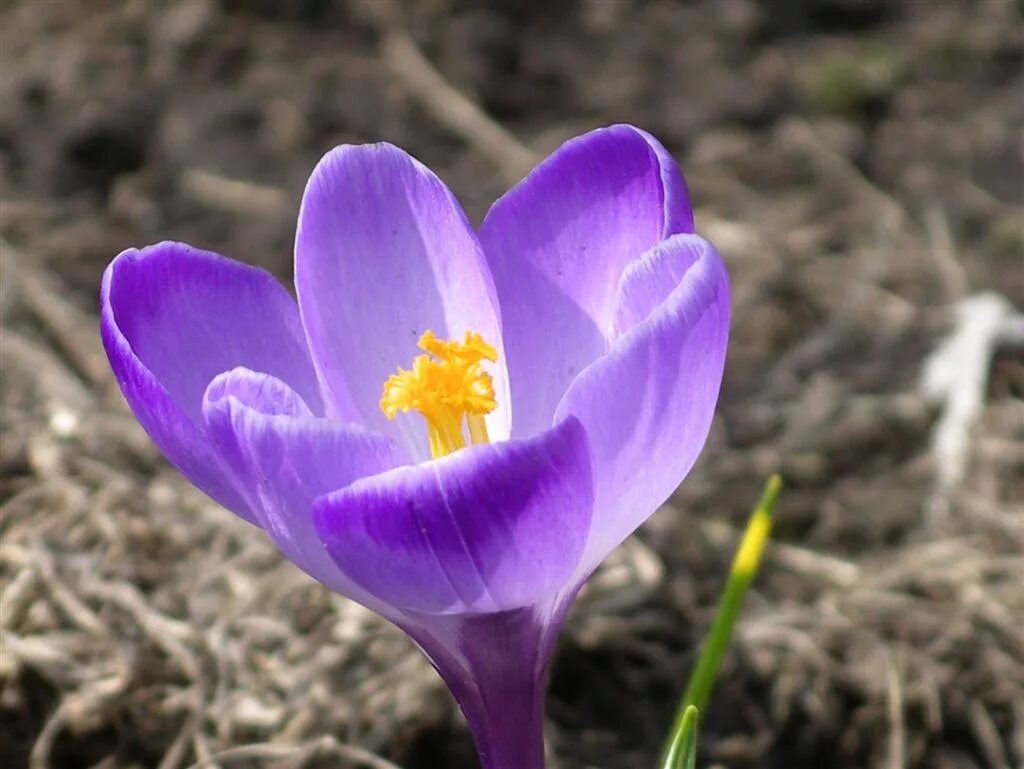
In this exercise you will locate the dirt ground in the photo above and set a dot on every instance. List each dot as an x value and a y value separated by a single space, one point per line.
858 163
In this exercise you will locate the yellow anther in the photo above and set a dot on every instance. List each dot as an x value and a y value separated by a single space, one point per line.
446 389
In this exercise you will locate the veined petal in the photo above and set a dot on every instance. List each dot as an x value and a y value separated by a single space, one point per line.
557 244
284 458
647 405
384 253
173 317
489 528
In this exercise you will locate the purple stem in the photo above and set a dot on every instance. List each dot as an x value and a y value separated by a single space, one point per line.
496 667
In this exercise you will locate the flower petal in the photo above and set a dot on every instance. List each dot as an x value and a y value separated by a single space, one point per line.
284 458
486 529
173 317
557 244
646 283
384 253
647 405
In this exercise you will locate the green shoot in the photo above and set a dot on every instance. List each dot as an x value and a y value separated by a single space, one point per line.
680 750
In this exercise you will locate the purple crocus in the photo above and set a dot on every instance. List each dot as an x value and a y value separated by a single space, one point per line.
450 426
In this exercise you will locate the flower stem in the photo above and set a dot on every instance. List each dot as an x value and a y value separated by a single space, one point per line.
496 666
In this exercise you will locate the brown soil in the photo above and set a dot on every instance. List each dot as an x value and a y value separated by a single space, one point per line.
858 163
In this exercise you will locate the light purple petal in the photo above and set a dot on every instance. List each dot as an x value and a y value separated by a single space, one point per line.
646 283
173 317
648 404
557 244
486 529
384 253
285 458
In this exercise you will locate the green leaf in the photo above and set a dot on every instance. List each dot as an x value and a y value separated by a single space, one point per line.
744 568
682 752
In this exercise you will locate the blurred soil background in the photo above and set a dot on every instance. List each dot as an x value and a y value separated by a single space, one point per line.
859 164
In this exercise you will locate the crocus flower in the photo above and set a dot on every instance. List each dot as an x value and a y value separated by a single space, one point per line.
450 426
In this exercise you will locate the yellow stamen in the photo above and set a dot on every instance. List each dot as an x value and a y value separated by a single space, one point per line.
446 388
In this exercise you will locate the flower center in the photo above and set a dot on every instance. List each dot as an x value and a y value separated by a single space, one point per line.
446 389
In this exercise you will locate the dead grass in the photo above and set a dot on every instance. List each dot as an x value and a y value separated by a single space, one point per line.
142 626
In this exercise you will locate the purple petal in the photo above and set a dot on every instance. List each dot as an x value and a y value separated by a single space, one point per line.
486 529
384 253
646 283
285 458
648 404
174 317
557 244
